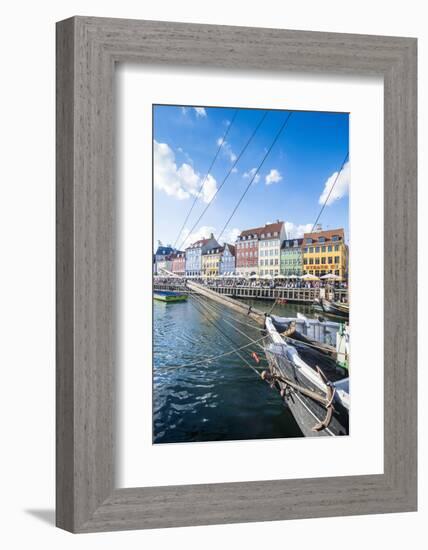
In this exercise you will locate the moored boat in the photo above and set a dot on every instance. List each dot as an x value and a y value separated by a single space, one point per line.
313 385
335 308
169 296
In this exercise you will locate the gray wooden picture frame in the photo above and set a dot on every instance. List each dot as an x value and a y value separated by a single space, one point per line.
87 51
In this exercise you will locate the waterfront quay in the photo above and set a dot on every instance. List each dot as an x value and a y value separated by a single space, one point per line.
247 289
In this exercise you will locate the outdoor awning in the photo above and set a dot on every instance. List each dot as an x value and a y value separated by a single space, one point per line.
309 277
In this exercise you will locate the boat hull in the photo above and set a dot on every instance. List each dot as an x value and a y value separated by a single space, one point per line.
169 296
335 309
307 412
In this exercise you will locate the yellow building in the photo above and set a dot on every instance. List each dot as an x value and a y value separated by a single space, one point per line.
211 262
325 252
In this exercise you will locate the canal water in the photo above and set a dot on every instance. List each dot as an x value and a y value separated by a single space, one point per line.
219 400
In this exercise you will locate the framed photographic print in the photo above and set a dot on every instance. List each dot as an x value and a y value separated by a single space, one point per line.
236 274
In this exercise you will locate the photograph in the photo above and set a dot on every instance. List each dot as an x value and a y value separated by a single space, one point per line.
251 249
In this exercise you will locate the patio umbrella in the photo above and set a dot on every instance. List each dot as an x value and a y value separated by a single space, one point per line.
255 276
331 276
309 277
268 276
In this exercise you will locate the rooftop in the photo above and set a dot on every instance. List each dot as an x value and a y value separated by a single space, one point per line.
257 232
292 243
323 236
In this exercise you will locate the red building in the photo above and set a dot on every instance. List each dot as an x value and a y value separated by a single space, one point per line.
247 252
178 263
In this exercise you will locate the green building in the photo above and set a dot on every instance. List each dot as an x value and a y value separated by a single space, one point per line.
291 257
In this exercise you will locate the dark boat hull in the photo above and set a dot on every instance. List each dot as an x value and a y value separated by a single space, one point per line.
307 412
334 309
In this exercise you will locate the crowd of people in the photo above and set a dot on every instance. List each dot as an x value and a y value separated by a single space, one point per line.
236 282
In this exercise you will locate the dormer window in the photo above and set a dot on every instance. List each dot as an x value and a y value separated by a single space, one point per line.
309 241
322 239
263 235
335 238
268 234
275 234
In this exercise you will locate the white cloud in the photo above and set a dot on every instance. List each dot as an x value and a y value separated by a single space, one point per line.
250 175
273 177
234 170
230 235
184 110
227 149
180 182
202 233
341 187
295 231
200 111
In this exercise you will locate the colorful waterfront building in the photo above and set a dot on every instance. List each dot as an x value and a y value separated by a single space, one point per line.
194 255
227 260
291 258
179 263
160 257
247 253
271 237
211 261
325 252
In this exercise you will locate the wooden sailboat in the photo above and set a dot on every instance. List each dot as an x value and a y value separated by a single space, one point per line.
312 385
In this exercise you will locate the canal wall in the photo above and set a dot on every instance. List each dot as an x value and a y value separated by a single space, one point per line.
297 295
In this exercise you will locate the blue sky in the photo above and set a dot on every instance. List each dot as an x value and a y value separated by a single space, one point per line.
291 185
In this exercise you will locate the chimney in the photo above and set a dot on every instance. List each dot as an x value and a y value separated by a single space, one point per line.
212 236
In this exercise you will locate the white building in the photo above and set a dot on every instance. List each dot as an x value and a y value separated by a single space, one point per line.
270 240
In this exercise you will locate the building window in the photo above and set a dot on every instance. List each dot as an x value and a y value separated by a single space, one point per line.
336 247
322 239
309 241
317 261
317 249
335 238
311 261
336 259
311 249
330 259
323 249
330 248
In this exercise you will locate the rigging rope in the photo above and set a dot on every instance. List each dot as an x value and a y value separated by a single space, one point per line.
227 322
284 124
223 140
331 189
226 336
210 358
227 175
